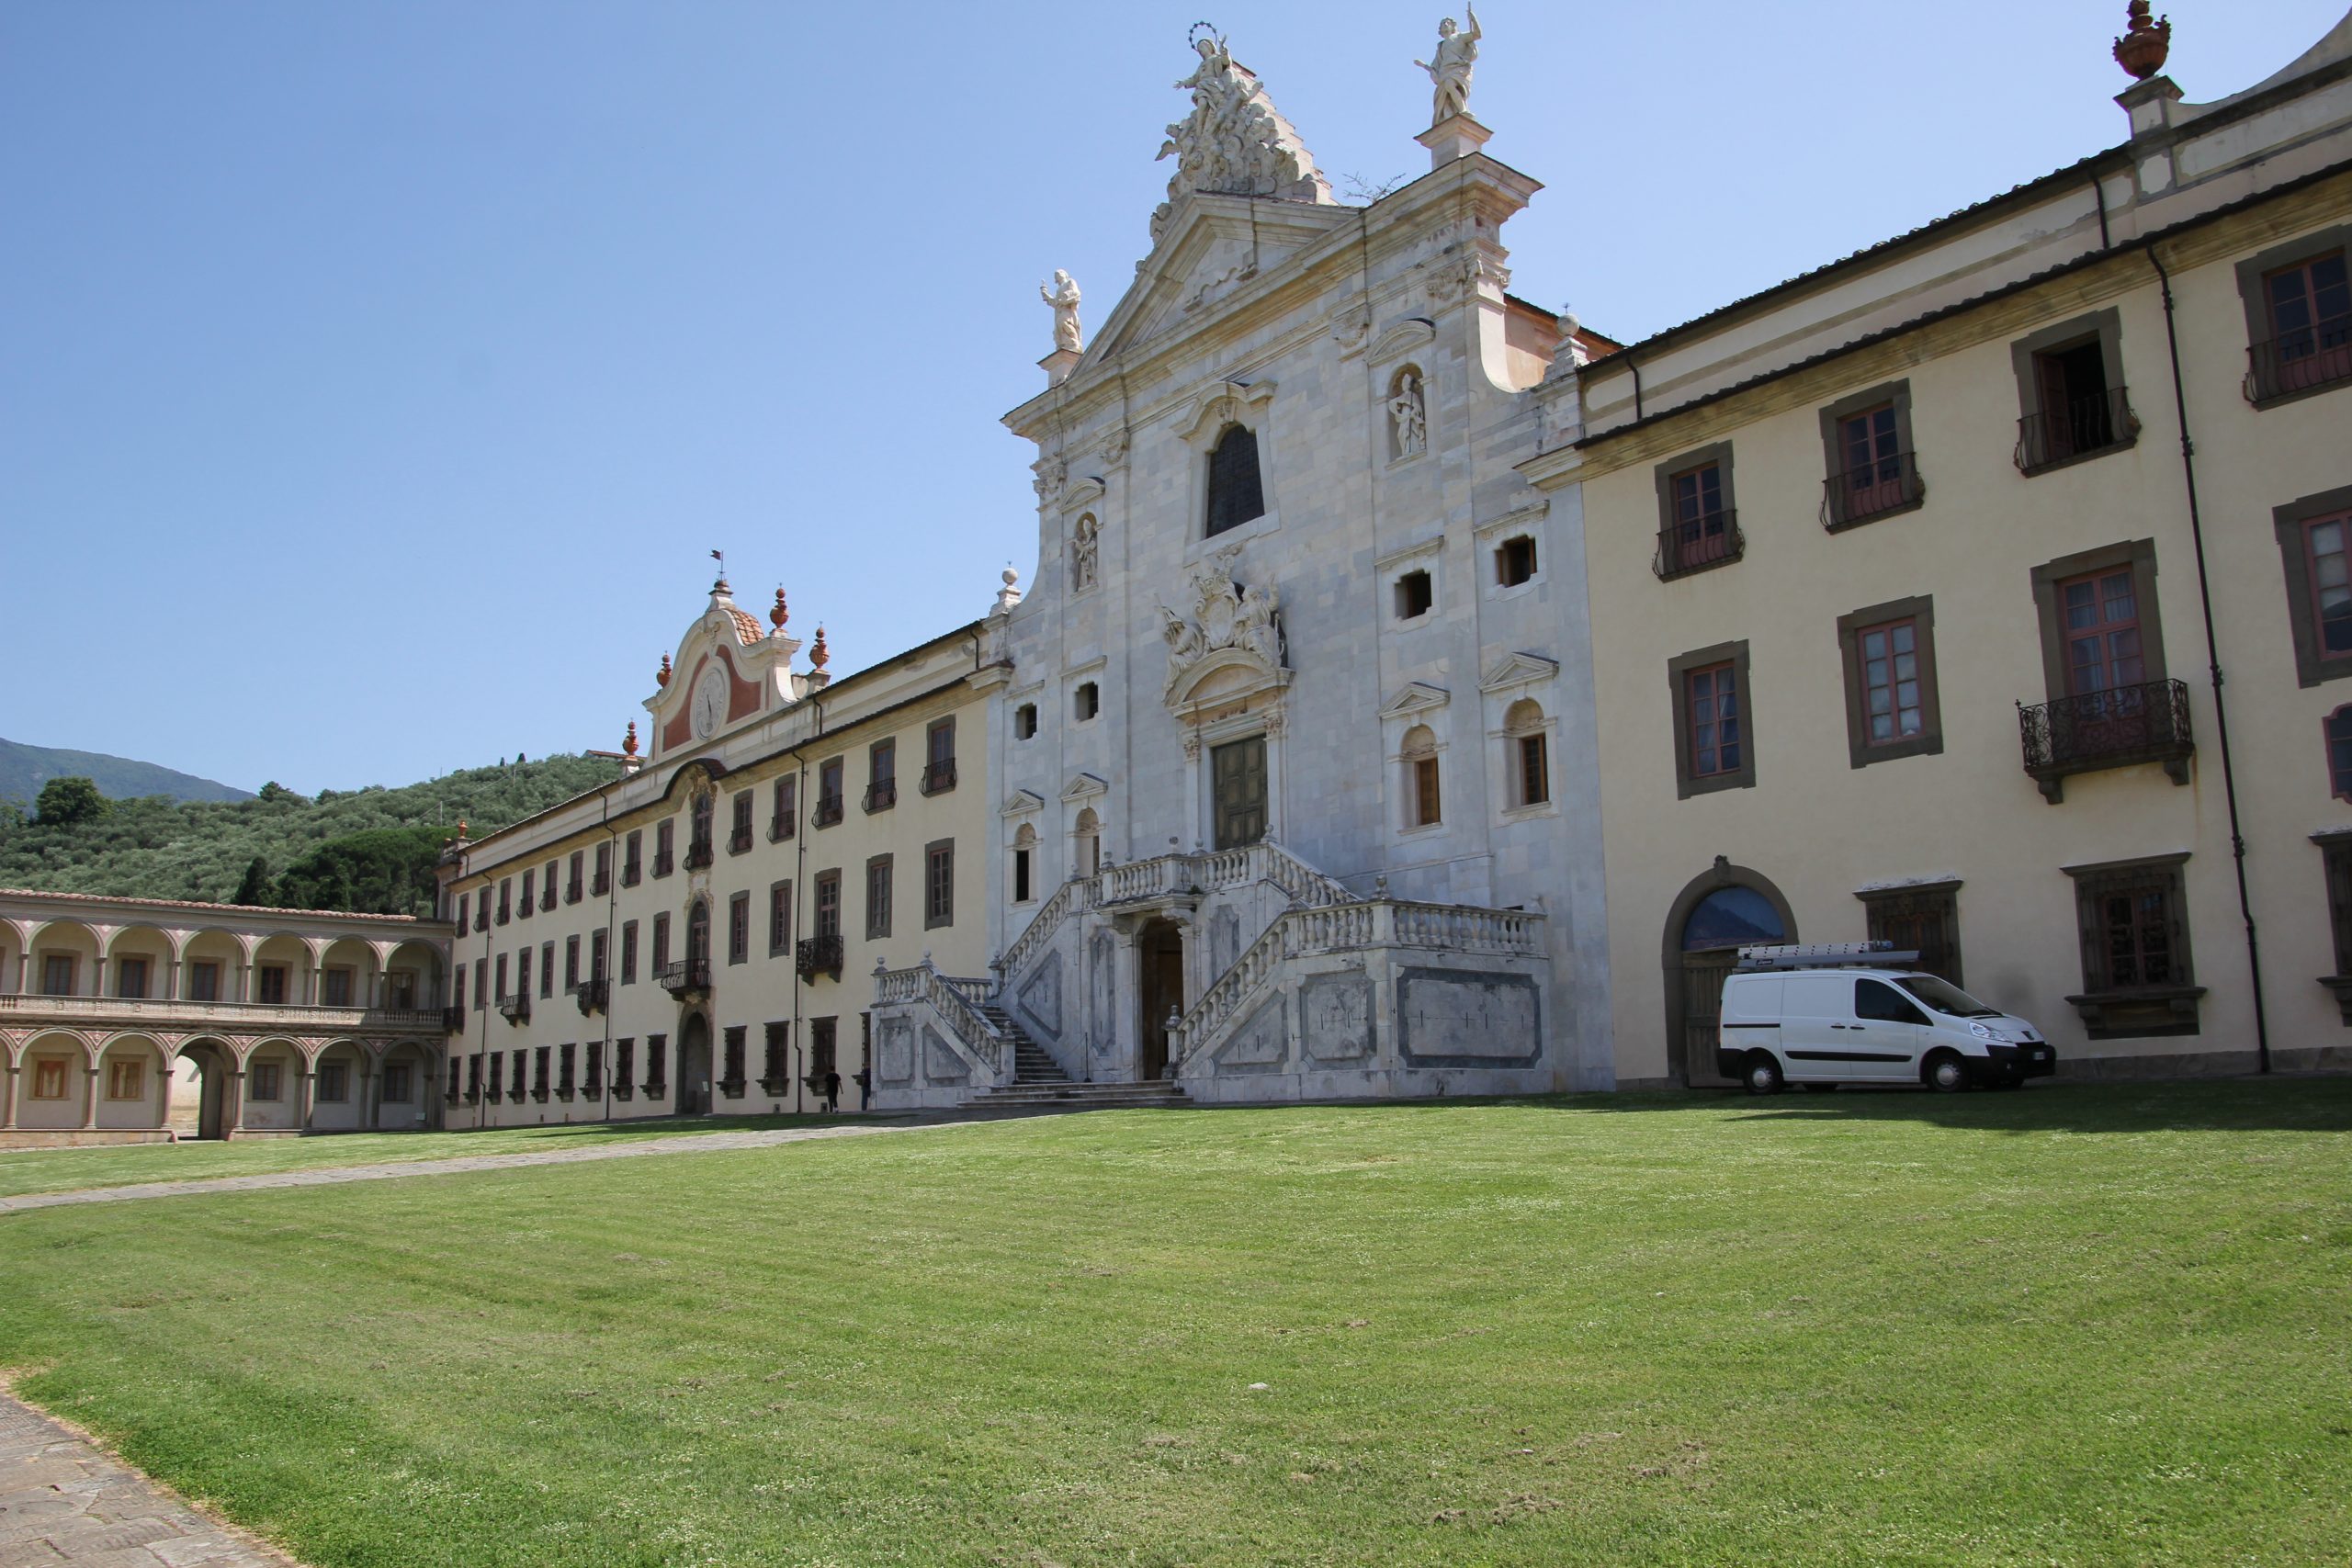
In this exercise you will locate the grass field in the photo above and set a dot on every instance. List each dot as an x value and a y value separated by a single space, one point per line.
2069 1325
123 1165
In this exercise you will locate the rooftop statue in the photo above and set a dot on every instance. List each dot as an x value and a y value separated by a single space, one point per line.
1062 295
1457 56
1234 141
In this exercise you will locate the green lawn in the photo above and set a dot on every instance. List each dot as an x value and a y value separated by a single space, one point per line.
2070 1326
121 1165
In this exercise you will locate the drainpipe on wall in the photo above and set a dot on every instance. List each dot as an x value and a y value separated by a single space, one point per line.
2214 668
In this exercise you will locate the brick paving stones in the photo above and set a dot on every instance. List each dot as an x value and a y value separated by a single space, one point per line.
65 1502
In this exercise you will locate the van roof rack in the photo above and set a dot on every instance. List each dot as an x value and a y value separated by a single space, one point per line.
1826 955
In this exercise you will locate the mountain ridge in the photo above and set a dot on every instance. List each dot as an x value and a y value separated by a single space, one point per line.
23 767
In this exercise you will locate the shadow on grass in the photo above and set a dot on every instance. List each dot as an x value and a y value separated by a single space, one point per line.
2279 1103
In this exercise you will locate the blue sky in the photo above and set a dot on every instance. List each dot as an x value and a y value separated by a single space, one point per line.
375 378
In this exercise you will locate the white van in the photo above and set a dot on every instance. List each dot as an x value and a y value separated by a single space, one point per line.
1852 1014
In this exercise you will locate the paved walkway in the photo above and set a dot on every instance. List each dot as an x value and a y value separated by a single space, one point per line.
63 1500
675 1144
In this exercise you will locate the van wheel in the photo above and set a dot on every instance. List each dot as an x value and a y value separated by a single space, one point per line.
1763 1073
1946 1073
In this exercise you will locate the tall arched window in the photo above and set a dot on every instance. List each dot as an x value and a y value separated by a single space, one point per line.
1236 493
1024 863
1530 759
1423 806
1087 859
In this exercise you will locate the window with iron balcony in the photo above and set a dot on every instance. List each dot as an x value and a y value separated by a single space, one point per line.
2108 705
2299 316
574 886
2070 386
602 883
632 861
829 793
739 830
1697 522
882 776
939 764
783 810
665 837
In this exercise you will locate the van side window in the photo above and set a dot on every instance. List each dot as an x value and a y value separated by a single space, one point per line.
1877 999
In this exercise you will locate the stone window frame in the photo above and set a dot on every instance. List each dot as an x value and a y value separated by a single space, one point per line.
1221 407
2253 271
2133 1013
1493 536
1662 477
938 907
628 952
1087 693
2290 522
1410 762
739 927
1513 773
1677 673
1833 449
2107 327
2327 748
1025 721
1919 609
877 910
546 967
2336 868
1393 568
828 880
2049 616
1879 901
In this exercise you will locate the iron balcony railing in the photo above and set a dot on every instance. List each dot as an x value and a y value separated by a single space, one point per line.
940 776
2114 728
1698 543
739 840
632 873
663 862
516 1008
592 995
2077 428
453 1020
1873 490
698 854
818 956
779 827
881 795
2300 361
828 812
686 975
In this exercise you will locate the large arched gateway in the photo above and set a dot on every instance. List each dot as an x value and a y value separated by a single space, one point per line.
1720 911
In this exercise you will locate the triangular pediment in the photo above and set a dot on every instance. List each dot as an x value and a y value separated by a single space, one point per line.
1518 669
1085 787
1021 802
1419 697
1214 247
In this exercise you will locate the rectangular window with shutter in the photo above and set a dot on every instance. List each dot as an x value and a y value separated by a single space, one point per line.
939 884
779 917
628 952
877 898
2137 979
1922 918
739 927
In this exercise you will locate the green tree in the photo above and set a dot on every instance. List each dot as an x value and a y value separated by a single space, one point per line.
255 887
68 802
384 870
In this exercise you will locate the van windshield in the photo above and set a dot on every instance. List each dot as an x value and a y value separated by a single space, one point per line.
1945 996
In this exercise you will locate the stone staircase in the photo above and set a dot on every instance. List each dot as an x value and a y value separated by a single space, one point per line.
1039 1082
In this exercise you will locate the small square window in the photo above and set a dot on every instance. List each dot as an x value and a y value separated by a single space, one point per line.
1086 701
1415 593
1515 560
1025 721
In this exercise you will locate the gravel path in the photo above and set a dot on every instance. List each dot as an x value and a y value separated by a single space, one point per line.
682 1144
63 1500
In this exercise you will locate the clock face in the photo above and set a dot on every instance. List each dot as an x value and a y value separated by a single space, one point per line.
709 704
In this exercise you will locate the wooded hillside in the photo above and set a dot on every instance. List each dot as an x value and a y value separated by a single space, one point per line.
368 850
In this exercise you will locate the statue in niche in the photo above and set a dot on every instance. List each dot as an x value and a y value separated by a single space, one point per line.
1457 56
1082 551
1409 419
1062 295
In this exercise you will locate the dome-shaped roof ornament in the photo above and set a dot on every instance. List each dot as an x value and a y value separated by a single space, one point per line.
662 676
818 654
777 616
2142 49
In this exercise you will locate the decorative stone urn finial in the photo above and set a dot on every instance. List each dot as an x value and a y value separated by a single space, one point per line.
662 676
776 616
818 654
2142 49
628 741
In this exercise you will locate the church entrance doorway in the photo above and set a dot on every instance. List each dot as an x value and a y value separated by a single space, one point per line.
1716 916
1159 969
694 1066
1237 788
